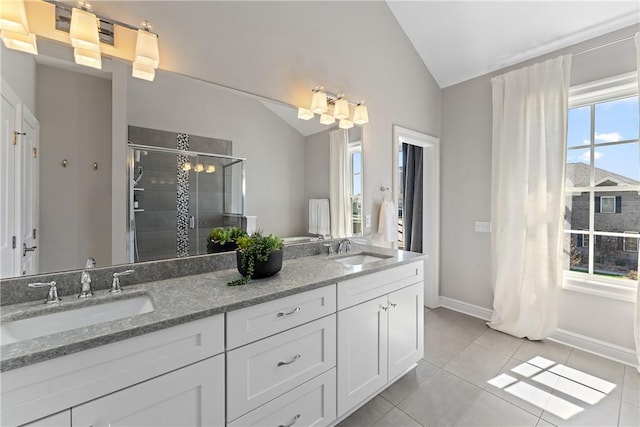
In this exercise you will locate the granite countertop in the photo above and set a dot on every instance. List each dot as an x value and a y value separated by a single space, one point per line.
184 299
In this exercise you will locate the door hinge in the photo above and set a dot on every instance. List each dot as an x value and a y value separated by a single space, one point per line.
14 243
35 152
34 233
15 136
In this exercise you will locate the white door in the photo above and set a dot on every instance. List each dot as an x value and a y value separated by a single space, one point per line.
9 260
362 352
191 396
406 328
28 148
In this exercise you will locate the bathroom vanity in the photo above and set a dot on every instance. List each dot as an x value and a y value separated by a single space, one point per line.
305 347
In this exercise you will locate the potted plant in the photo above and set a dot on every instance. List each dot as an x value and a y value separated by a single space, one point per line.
223 239
258 256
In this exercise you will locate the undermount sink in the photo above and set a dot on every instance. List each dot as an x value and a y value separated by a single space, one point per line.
66 320
361 259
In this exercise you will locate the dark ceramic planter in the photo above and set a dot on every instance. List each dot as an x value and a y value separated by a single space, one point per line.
214 248
267 268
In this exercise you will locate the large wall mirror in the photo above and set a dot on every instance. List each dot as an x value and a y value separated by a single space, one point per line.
269 162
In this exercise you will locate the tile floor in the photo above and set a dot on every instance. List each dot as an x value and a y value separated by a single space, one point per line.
449 387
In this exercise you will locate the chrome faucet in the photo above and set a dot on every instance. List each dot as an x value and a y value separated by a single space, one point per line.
52 295
344 247
85 280
115 285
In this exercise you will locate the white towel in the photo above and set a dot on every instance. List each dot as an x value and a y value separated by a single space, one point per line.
386 224
319 217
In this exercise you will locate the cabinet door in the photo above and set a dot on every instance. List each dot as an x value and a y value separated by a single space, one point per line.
406 329
61 419
190 396
362 352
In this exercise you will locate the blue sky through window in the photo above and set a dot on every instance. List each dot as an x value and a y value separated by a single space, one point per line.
614 121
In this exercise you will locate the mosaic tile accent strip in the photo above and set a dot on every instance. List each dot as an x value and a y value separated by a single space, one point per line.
182 198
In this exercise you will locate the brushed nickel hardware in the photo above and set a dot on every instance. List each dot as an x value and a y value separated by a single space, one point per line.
296 357
52 295
26 249
115 285
293 421
295 310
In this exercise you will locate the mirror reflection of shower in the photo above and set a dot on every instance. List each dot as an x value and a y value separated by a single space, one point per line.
176 197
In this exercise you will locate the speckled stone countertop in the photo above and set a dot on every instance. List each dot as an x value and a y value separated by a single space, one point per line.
184 299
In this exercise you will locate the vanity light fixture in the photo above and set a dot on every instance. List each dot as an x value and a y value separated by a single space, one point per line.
305 114
147 56
210 169
84 28
199 167
15 30
186 166
332 107
88 58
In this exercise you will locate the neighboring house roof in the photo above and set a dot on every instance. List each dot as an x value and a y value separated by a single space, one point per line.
579 175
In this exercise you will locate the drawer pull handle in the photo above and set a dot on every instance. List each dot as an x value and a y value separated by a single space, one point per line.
293 421
393 304
295 310
296 357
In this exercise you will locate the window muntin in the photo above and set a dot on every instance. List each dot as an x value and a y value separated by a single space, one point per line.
603 190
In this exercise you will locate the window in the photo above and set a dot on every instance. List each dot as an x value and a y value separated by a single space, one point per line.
602 215
355 164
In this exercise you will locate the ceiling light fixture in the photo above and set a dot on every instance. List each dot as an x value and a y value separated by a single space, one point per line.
15 30
332 107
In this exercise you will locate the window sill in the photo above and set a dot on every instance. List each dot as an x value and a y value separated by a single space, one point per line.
621 290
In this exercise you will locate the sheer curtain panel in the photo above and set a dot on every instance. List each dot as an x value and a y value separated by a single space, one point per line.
527 200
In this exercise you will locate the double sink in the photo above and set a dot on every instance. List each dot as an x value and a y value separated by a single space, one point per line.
42 321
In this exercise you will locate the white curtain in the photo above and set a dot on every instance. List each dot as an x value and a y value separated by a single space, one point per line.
339 183
527 200
637 325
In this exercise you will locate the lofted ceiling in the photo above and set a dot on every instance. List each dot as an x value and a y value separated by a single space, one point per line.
460 40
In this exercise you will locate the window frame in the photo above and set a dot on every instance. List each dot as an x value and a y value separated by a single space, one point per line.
613 204
589 94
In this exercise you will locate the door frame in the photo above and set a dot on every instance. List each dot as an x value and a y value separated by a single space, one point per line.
431 204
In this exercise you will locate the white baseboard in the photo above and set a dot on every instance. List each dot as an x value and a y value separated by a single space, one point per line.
466 308
591 345
604 349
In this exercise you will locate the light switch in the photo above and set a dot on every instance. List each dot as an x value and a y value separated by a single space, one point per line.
367 221
483 227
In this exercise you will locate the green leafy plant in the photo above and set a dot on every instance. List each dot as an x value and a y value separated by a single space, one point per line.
222 236
255 248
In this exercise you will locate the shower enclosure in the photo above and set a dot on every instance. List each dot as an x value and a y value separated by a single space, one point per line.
176 197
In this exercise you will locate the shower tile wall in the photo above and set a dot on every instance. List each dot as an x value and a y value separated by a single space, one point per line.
157 226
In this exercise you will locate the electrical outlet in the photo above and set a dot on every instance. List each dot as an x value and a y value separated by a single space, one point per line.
483 227
367 221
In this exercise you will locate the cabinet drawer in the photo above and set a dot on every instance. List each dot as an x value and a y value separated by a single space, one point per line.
48 387
311 404
260 321
262 371
364 288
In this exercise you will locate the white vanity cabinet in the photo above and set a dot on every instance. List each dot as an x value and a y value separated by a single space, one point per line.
39 390
379 339
191 396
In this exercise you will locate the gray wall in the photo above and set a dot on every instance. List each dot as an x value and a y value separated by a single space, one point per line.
466 185
19 71
74 111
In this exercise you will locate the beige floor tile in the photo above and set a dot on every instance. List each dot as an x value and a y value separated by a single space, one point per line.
629 415
397 418
477 364
467 327
397 391
548 349
491 411
441 400
368 414
441 347
500 342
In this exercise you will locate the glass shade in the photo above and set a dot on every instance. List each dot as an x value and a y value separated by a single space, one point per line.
210 169
143 72
13 17
305 114
360 114
18 41
199 167
319 102
341 109
87 58
147 52
84 30
186 166
327 119
345 124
